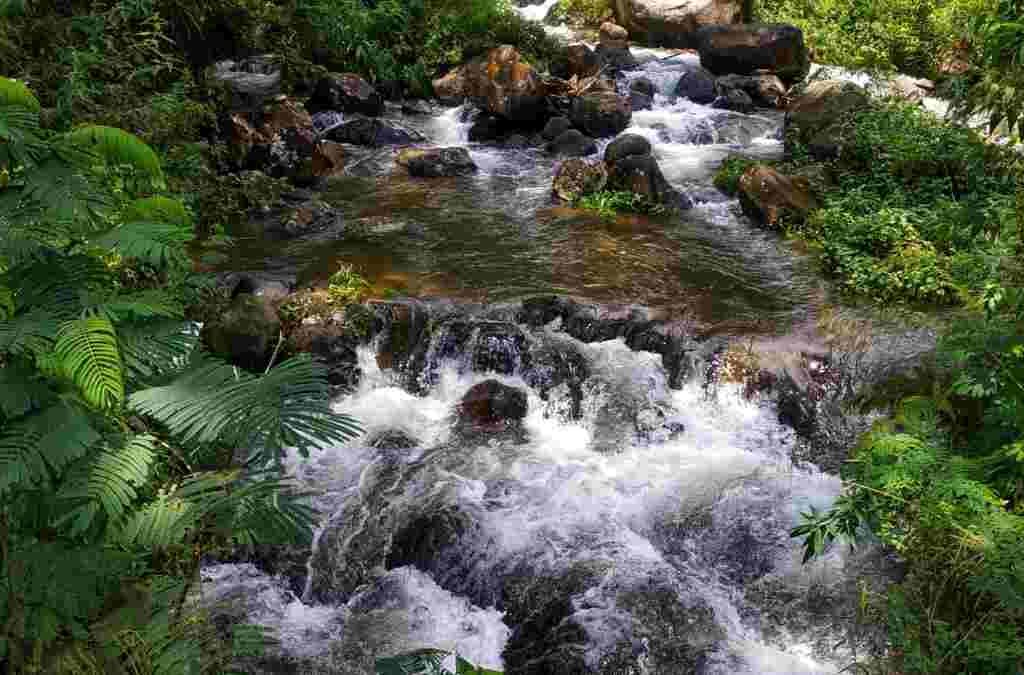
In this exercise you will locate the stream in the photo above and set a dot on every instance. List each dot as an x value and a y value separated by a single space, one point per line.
637 519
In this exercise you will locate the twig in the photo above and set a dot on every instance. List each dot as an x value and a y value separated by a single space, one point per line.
273 357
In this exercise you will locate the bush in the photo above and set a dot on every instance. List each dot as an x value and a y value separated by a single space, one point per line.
910 36
583 12
727 178
610 203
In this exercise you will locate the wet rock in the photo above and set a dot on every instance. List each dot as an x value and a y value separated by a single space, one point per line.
578 61
288 155
763 89
736 100
576 178
393 439
417 108
299 214
626 145
400 327
558 368
499 347
335 344
347 93
328 159
773 198
601 114
615 59
251 81
424 542
674 23
911 89
697 84
372 132
572 143
816 117
492 404
506 85
246 334
437 162
487 128
555 127
642 176
644 86
638 101
747 48
613 35
518 141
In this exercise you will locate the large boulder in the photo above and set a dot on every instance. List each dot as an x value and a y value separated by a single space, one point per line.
437 162
736 100
601 114
289 154
615 59
764 89
372 132
641 175
674 23
746 49
816 117
579 60
555 127
246 333
626 145
250 82
492 404
641 93
501 81
613 35
697 85
773 198
347 93
572 143
279 140
577 178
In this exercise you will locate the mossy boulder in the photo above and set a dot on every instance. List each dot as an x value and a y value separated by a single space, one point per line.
816 117
246 334
745 49
601 114
773 198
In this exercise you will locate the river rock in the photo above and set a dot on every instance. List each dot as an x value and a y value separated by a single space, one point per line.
601 114
613 35
401 325
736 100
372 132
334 343
328 159
299 214
696 84
643 85
764 89
578 60
626 145
347 93
289 154
572 143
641 175
245 334
674 23
437 162
505 84
615 59
816 117
576 178
748 48
773 198
492 404
487 128
251 82
555 127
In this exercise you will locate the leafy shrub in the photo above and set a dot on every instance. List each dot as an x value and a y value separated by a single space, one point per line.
609 203
727 178
347 285
583 12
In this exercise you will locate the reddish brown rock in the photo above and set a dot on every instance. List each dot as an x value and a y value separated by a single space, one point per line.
774 198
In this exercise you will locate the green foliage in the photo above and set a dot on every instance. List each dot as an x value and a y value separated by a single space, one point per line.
427 662
610 203
921 210
911 36
583 12
727 178
347 285
118 436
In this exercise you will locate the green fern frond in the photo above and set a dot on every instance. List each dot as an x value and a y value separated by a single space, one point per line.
157 209
106 484
117 147
43 443
12 8
89 356
151 349
54 283
30 334
160 244
16 93
288 407
20 143
22 389
421 662
57 194
146 304
160 524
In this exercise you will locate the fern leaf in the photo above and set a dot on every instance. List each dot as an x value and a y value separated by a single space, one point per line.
160 244
56 193
117 147
107 484
30 335
288 407
89 356
53 282
146 304
160 524
20 143
16 93
421 662
22 390
150 349
43 443
156 209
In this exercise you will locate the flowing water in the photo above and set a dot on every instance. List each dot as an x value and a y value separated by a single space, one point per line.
627 525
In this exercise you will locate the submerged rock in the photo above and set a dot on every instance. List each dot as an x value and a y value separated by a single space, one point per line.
437 162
